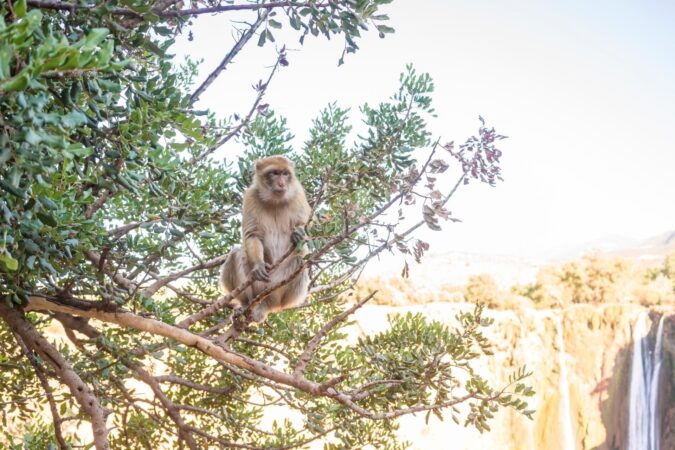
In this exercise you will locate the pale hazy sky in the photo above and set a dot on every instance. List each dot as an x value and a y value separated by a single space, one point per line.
584 90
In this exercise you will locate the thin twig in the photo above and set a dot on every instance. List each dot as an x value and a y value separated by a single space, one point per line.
261 92
313 344
243 39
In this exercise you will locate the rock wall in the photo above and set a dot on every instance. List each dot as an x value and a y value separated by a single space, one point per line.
598 348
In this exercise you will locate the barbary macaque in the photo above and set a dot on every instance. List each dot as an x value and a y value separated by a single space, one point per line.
273 216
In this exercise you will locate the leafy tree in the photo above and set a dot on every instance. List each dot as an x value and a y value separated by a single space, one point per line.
482 289
115 217
593 279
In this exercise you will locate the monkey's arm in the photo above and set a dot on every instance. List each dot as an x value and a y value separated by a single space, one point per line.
255 254
302 218
253 245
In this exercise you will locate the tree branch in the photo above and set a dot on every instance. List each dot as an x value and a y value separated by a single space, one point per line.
313 344
163 281
73 7
95 258
184 432
175 379
239 363
262 88
56 418
243 39
82 393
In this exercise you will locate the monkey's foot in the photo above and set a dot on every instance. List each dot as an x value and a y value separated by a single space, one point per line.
258 314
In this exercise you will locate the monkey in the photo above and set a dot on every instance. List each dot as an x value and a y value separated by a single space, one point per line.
274 213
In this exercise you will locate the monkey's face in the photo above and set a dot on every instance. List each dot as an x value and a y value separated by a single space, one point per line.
276 179
278 182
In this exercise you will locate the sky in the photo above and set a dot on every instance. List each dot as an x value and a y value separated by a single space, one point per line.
584 90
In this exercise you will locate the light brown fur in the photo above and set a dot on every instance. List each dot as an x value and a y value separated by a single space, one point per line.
274 212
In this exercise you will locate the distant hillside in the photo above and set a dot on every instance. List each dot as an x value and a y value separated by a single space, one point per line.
652 248
450 268
455 268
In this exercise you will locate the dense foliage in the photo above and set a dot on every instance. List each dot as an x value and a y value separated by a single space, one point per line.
592 279
115 216
597 279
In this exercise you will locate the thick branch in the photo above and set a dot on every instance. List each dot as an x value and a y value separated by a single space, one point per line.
56 418
73 7
130 320
184 432
82 393
235 361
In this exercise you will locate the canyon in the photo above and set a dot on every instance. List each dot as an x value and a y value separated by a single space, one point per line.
603 375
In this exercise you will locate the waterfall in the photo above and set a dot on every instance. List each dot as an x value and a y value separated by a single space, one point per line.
657 359
565 410
643 426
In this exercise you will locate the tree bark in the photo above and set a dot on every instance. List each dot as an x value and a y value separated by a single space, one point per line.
16 320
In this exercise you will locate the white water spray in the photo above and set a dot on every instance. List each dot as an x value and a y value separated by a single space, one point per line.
657 358
565 410
643 426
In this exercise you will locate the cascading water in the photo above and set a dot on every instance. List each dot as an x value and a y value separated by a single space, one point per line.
657 358
565 410
643 426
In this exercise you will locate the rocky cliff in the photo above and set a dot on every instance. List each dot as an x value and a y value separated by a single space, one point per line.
584 406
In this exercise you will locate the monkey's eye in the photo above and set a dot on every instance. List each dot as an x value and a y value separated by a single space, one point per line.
285 173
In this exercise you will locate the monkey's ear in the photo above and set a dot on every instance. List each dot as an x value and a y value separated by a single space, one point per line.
259 165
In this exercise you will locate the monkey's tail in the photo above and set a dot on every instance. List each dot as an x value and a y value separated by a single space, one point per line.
226 269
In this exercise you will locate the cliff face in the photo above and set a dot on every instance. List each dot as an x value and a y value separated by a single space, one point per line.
585 406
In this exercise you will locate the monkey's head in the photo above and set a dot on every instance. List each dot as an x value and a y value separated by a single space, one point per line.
275 178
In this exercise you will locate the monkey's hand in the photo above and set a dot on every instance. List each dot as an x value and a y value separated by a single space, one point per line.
297 236
259 272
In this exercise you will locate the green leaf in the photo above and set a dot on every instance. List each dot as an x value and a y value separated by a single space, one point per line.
274 24
5 155
47 219
13 190
385 29
95 36
78 149
104 55
20 8
119 65
5 59
9 262
47 202
31 246
73 119
295 22
17 83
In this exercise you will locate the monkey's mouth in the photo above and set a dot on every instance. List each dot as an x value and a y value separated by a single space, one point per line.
279 191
